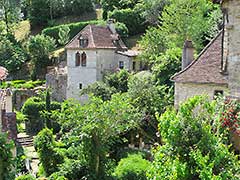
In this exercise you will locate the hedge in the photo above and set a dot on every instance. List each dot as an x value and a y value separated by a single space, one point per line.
131 18
74 28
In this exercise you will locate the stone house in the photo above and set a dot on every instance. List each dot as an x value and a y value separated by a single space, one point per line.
217 68
92 53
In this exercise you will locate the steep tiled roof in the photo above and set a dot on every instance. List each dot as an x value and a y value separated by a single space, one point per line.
99 37
3 73
206 68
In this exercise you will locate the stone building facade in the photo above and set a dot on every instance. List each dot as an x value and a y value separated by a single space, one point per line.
90 54
217 68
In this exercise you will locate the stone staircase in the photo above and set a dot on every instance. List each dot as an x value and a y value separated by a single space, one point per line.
25 141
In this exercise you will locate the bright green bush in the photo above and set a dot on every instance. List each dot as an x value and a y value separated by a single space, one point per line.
31 109
133 167
130 18
45 146
25 177
74 29
17 84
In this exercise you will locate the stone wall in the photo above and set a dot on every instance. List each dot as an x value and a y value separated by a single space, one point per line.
9 124
232 44
20 96
183 91
57 82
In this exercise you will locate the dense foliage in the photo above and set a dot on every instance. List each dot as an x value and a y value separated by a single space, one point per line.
193 147
39 47
6 158
134 167
49 157
131 18
41 11
37 114
12 56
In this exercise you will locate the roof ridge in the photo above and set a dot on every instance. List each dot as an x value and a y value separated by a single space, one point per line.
200 54
91 35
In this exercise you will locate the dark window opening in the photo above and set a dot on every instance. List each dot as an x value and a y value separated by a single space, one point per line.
218 93
78 59
134 66
80 86
83 42
121 64
84 59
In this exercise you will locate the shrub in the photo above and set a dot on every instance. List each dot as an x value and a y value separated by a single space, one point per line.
133 167
31 109
118 80
6 159
45 147
25 177
130 18
72 170
74 29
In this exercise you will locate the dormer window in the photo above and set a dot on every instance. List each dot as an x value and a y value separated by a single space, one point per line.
83 41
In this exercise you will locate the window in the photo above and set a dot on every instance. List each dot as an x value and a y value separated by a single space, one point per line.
78 59
83 41
80 86
121 64
84 59
218 93
134 66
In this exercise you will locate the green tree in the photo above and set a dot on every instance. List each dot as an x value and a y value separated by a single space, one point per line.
98 124
193 147
6 158
78 7
10 13
99 89
151 10
39 47
118 80
148 99
45 146
12 56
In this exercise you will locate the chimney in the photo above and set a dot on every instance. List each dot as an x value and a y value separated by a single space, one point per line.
111 26
188 54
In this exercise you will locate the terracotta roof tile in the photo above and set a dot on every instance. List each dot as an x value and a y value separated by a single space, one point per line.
99 37
3 73
206 68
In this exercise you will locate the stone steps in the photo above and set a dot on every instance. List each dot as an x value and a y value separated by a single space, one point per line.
25 141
